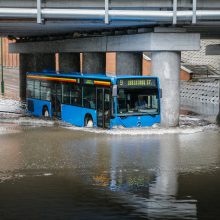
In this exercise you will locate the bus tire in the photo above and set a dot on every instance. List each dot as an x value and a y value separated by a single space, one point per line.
88 121
45 112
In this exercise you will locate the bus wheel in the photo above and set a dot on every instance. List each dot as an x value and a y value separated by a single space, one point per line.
88 122
45 112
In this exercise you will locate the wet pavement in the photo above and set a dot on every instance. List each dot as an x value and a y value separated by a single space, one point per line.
50 170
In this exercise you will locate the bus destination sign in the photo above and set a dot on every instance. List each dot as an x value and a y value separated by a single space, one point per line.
88 81
137 83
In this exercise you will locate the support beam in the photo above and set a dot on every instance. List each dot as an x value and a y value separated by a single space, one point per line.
94 63
174 12
106 11
39 16
121 43
128 63
166 66
194 11
35 63
69 62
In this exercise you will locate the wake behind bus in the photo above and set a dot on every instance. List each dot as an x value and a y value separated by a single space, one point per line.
94 100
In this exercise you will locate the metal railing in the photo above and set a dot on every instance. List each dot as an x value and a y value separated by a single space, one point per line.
107 14
202 70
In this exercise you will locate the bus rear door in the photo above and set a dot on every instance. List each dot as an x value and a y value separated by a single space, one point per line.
103 107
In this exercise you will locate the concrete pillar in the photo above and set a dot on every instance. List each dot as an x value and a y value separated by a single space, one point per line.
129 63
33 63
218 117
69 62
94 63
166 66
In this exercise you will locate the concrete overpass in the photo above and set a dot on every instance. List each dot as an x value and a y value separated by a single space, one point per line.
21 18
42 28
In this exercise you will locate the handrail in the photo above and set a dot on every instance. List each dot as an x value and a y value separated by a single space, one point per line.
197 69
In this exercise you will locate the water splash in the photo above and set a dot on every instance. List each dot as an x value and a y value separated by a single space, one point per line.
188 125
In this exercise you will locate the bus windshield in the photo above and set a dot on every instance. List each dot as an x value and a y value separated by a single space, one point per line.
138 101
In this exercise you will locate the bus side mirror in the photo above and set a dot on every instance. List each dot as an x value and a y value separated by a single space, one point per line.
115 91
161 93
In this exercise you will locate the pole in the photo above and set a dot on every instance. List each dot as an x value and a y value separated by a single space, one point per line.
2 70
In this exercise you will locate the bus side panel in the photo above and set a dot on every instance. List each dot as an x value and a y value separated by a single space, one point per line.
136 121
75 115
37 106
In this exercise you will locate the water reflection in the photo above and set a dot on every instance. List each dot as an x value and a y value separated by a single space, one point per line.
124 177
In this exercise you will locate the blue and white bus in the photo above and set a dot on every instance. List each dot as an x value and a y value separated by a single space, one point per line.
95 100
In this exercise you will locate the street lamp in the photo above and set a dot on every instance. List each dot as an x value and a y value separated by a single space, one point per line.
2 71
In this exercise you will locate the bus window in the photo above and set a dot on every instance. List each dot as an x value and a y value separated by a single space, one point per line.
45 91
59 92
37 89
66 93
30 88
76 95
89 97
138 101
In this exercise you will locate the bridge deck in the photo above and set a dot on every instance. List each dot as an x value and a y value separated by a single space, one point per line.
55 17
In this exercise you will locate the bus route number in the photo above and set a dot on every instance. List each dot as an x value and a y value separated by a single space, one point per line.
135 82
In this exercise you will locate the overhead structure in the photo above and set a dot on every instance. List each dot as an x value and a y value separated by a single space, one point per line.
122 43
166 48
48 17
163 27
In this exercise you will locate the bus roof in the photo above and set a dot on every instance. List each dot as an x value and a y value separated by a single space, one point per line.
89 76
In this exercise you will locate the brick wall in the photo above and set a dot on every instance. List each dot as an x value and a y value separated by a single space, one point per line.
9 60
111 67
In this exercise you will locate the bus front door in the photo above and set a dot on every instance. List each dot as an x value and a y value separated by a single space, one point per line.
103 107
56 100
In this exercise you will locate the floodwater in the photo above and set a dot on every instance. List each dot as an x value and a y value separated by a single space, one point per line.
50 170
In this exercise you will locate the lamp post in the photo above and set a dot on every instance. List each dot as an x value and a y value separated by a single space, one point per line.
2 71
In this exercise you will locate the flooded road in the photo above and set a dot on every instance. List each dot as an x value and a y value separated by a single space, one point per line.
49 170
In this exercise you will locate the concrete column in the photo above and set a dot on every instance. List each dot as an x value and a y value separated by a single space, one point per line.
129 63
166 66
33 63
69 62
218 117
94 63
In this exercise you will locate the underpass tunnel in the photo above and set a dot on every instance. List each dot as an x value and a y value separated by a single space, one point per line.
38 56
